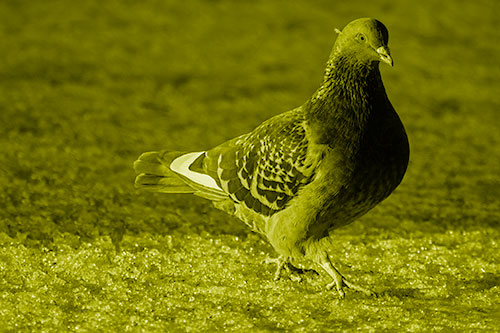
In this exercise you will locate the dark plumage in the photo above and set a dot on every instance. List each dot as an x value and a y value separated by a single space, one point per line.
307 171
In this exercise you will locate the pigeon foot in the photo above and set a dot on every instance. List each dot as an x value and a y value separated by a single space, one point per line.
340 282
283 263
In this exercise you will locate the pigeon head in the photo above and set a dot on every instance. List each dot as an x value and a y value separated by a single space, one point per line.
364 40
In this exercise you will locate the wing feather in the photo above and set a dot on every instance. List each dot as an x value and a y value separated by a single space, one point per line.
265 168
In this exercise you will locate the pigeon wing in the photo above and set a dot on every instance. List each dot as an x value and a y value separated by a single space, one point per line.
265 168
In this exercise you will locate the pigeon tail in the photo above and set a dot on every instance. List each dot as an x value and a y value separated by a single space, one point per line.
171 172
152 175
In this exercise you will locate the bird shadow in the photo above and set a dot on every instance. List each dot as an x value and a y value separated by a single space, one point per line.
301 271
486 281
401 293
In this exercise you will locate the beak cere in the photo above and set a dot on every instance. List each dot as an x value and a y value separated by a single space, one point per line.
385 55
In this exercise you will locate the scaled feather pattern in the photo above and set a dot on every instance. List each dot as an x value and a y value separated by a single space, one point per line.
305 172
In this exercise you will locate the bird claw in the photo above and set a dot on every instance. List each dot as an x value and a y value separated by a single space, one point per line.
340 282
346 284
280 262
284 264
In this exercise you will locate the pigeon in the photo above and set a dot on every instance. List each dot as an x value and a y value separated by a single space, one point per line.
303 173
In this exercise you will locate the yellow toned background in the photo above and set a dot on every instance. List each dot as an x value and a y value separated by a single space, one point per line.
87 86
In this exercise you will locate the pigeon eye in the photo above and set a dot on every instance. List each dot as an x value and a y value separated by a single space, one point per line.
361 37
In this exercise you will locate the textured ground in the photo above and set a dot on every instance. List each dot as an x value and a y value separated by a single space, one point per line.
85 88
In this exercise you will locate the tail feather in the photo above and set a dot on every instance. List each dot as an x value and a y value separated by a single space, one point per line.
153 173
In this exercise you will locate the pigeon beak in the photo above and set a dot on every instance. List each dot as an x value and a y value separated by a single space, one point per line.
385 55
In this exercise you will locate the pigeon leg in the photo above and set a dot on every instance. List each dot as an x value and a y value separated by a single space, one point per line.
339 281
283 263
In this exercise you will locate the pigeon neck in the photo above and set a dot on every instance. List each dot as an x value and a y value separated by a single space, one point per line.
349 79
340 109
